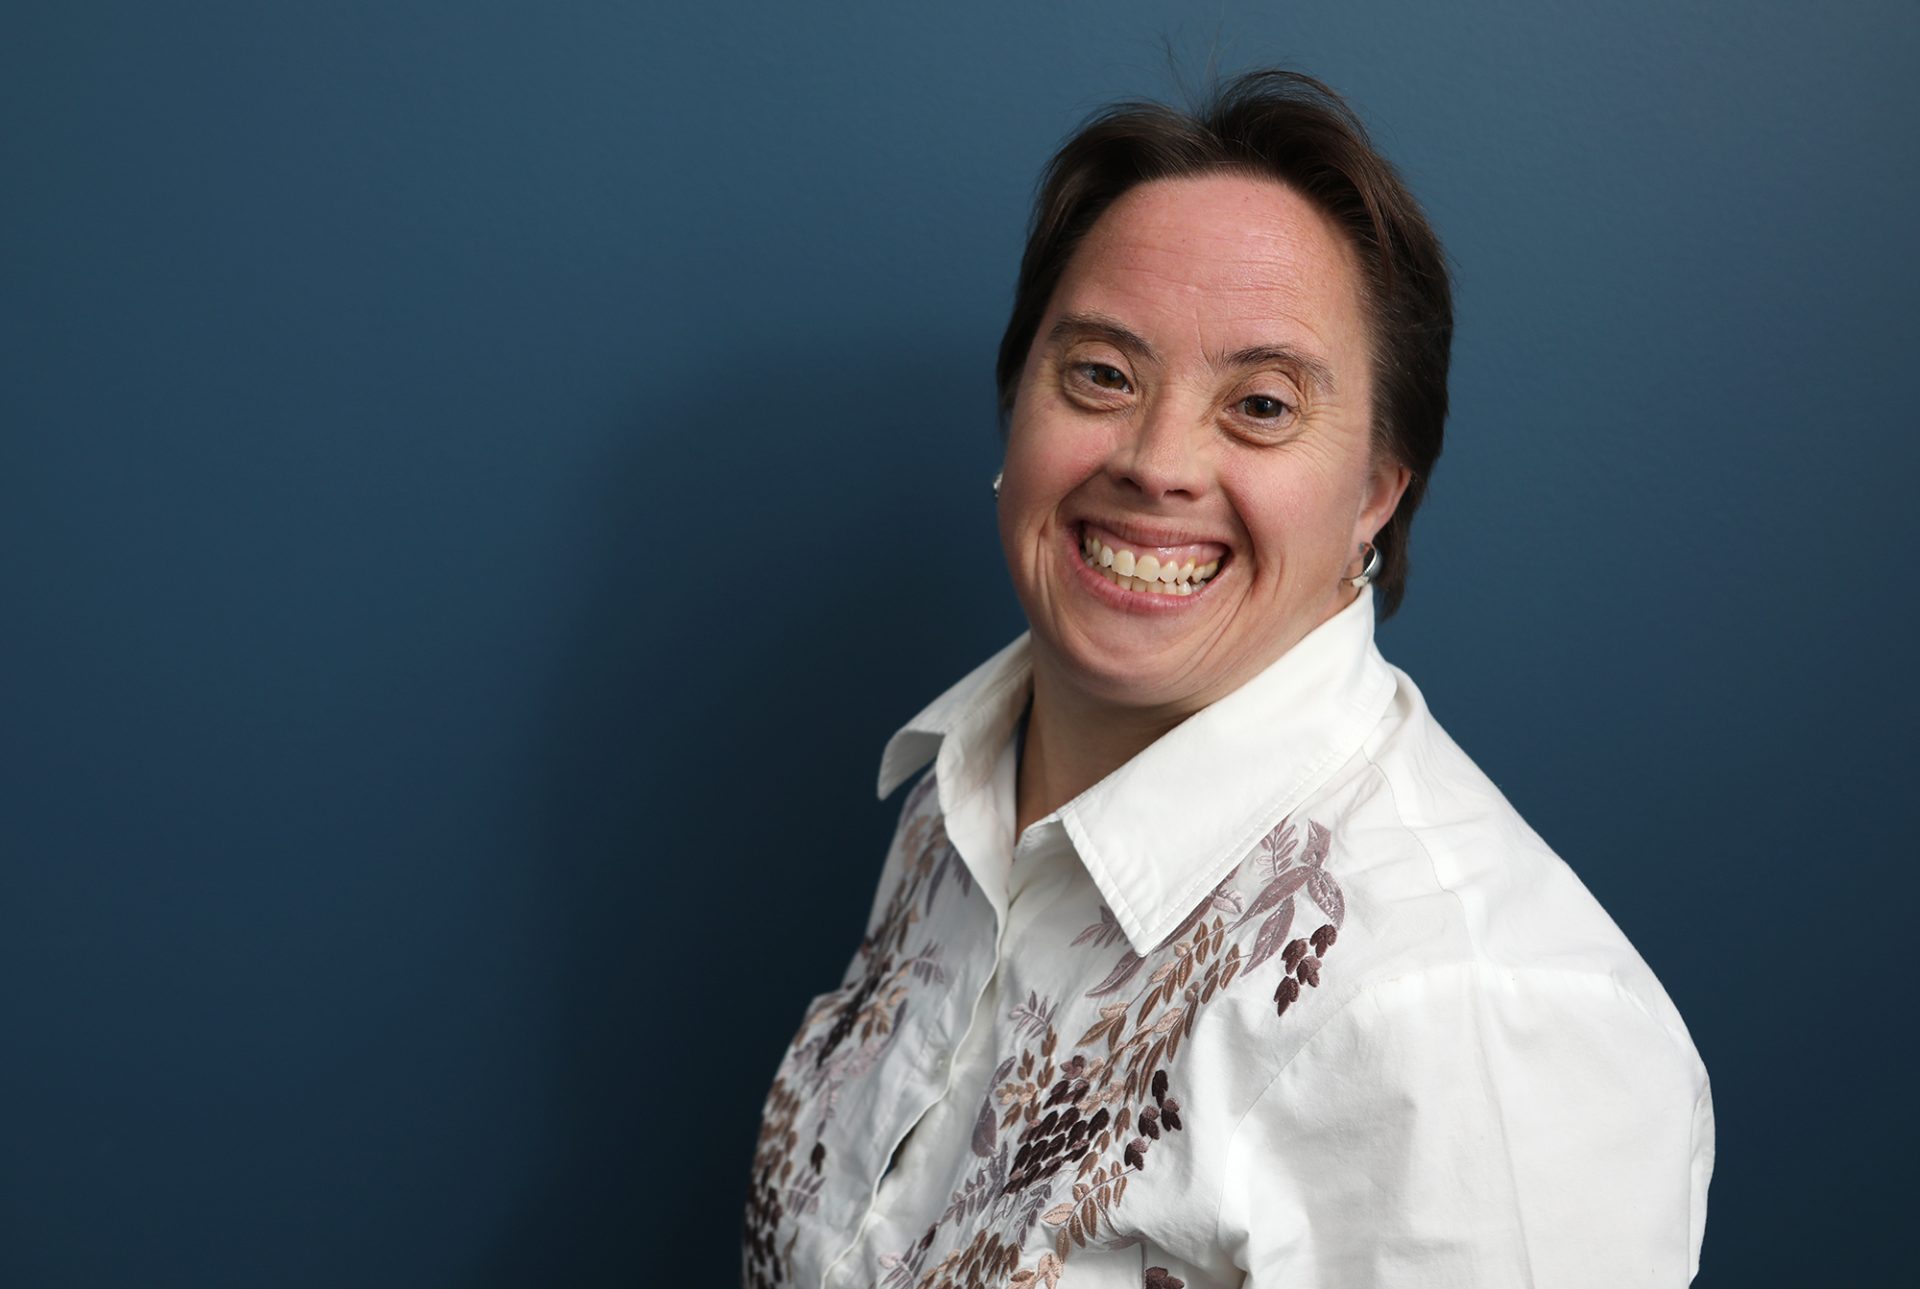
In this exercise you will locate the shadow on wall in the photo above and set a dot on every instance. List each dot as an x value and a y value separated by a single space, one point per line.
764 613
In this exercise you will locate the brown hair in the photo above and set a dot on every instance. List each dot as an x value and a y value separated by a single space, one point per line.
1290 127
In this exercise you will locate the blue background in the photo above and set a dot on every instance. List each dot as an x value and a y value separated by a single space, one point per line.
479 482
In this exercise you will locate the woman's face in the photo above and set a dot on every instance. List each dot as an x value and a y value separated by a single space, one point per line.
1197 396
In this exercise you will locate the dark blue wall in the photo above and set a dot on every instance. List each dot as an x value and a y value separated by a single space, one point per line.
432 776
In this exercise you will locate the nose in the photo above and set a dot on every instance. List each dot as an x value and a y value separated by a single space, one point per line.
1163 453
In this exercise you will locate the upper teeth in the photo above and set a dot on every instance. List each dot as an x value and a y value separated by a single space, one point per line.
1145 572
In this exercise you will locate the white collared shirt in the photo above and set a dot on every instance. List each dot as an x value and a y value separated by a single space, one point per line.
1292 998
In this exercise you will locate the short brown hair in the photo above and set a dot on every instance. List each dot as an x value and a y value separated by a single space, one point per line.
1290 127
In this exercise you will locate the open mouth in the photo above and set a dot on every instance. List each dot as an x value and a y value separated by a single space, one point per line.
1155 570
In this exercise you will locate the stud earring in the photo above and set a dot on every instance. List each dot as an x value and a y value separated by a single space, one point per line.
997 474
1369 570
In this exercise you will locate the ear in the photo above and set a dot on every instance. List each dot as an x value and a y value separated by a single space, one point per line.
1386 483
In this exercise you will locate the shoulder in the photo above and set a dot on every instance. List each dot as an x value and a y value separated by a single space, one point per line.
1482 1046
1447 875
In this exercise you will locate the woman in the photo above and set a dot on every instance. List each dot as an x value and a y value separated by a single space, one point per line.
1202 956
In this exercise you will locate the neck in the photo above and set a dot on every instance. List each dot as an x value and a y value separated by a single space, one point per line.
1073 741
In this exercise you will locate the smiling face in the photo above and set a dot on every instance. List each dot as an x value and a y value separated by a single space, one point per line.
1197 395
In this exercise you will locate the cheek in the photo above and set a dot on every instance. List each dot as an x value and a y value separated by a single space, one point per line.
1296 524
1047 462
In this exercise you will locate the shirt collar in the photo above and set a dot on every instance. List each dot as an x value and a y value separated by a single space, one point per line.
1235 768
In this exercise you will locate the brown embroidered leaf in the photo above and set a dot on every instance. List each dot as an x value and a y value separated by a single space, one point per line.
1275 848
1122 972
1273 934
1103 932
1285 994
984 1134
1326 893
1318 840
1120 1189
1275 891
1058 1213
1062 1245
1079 1191
1113 1016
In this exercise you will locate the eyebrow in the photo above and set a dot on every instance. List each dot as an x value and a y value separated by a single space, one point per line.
1095 326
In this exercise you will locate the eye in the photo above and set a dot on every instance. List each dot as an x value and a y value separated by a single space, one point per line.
1264 407
1104 376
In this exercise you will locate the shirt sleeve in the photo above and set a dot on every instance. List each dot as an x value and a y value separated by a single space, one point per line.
1470 1125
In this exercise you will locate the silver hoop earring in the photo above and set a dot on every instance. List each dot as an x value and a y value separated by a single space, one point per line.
1369 570
996 483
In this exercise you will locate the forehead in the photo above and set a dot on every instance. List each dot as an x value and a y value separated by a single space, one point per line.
1229 260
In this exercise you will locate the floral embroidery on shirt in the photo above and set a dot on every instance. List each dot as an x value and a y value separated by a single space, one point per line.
844 1036
1104 1108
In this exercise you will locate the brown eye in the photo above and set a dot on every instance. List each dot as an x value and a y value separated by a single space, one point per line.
1105 377
1263 408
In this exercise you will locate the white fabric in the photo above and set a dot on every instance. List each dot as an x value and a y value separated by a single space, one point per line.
1475 1081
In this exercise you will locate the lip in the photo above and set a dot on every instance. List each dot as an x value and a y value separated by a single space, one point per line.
1142 602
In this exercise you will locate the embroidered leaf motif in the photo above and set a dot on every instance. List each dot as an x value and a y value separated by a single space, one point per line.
1101 933
1276 848
1122 972
1326 893
1035 1014
1273 934
1278 889
985 1130
1318 841
927 970
1023 1166
949 860
1113 1018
